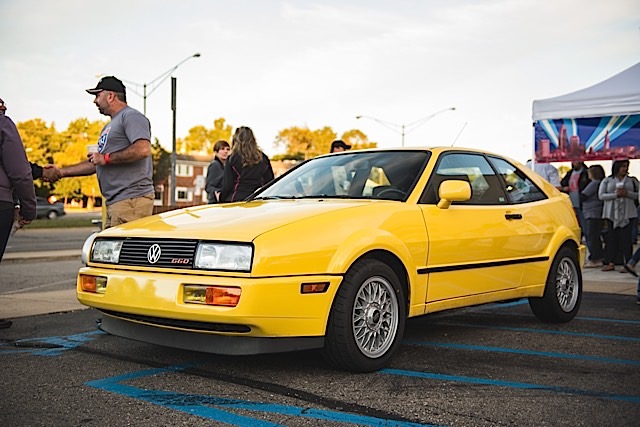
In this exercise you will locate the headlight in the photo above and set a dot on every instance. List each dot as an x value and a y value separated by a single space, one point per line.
106 251
86 247
224 256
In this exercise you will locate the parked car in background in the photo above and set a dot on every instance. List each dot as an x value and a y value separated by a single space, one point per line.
337 253
46 209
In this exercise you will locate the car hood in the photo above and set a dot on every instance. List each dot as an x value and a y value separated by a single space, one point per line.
241 222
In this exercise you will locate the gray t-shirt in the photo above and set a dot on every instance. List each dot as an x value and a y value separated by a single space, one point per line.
125 180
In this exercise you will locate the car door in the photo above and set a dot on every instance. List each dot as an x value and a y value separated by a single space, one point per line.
478 246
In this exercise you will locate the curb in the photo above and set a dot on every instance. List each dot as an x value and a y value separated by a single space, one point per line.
16 257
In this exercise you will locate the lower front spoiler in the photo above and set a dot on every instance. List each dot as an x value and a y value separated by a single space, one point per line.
207 343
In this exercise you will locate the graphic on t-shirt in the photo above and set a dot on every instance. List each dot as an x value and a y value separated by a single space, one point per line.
102 141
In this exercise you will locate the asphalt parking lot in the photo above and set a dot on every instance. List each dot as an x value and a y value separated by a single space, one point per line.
490 365
483 366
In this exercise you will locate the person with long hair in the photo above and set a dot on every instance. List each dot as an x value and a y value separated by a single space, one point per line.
619 192
247 167
573 183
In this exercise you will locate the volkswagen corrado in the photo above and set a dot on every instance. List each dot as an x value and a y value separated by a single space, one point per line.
337 253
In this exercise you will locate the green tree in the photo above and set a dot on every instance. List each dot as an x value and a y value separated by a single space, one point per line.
201 140
41 142
221 130
357 140
161 163
302 143
79 134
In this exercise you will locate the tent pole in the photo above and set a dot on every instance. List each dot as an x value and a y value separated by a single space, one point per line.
533 145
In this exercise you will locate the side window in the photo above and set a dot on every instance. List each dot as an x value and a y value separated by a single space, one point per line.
486 188
519 188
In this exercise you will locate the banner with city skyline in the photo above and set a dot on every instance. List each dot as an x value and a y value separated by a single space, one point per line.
593 138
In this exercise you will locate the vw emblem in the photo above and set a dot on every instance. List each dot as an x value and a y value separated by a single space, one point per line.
153 254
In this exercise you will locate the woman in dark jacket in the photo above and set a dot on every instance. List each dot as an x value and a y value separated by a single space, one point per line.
247 167
592 210
215 171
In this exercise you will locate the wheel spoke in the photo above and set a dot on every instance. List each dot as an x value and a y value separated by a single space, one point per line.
375 316
566 285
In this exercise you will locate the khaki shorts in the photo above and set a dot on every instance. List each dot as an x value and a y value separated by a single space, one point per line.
128 210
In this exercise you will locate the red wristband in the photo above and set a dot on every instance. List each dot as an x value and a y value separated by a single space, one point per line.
107 159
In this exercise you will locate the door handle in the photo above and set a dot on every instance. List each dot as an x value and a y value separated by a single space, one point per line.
513 216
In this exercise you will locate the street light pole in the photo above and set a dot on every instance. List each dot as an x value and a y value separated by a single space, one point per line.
162 77
153 83
174 155
406 128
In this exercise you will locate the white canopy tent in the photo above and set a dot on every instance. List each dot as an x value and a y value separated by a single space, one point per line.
618 95
604 120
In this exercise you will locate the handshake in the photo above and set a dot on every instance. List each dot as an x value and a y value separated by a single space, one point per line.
51 173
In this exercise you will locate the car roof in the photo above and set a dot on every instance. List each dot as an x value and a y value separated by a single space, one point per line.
436 150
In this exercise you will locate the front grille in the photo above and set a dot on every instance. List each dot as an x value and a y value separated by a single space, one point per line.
173 253
182 324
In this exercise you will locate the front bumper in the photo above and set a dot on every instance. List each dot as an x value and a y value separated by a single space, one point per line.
271 307
207 343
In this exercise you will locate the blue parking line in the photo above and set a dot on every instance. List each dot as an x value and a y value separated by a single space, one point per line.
216 408
523 352
539 331
502 304
525 301
602 319
61 343
510 384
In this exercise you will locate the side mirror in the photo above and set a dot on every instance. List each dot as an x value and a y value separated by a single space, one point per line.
453 191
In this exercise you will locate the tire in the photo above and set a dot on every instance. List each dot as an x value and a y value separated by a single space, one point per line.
52 215
563 291
367 318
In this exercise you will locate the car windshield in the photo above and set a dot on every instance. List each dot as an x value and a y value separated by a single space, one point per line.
387 175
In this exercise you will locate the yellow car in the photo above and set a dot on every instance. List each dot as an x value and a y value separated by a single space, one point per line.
337 253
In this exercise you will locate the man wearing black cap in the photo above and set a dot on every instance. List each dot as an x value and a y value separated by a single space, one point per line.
339 145
123 160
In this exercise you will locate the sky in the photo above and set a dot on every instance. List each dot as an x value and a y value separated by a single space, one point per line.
273 64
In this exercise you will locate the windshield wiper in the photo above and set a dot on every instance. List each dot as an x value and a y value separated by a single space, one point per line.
274 198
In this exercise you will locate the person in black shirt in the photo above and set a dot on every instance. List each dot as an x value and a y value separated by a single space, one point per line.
247 167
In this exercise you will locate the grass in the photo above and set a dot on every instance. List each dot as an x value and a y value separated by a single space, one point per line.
62 222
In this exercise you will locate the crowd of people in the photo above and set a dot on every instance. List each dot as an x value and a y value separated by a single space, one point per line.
607 209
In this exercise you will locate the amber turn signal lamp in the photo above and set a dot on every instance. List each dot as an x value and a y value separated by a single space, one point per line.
212 295
95 284
314 288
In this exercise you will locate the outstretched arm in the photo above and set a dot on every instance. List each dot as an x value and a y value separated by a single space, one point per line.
79 169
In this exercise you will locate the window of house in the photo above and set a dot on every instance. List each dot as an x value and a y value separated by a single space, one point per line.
183 194
184 170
